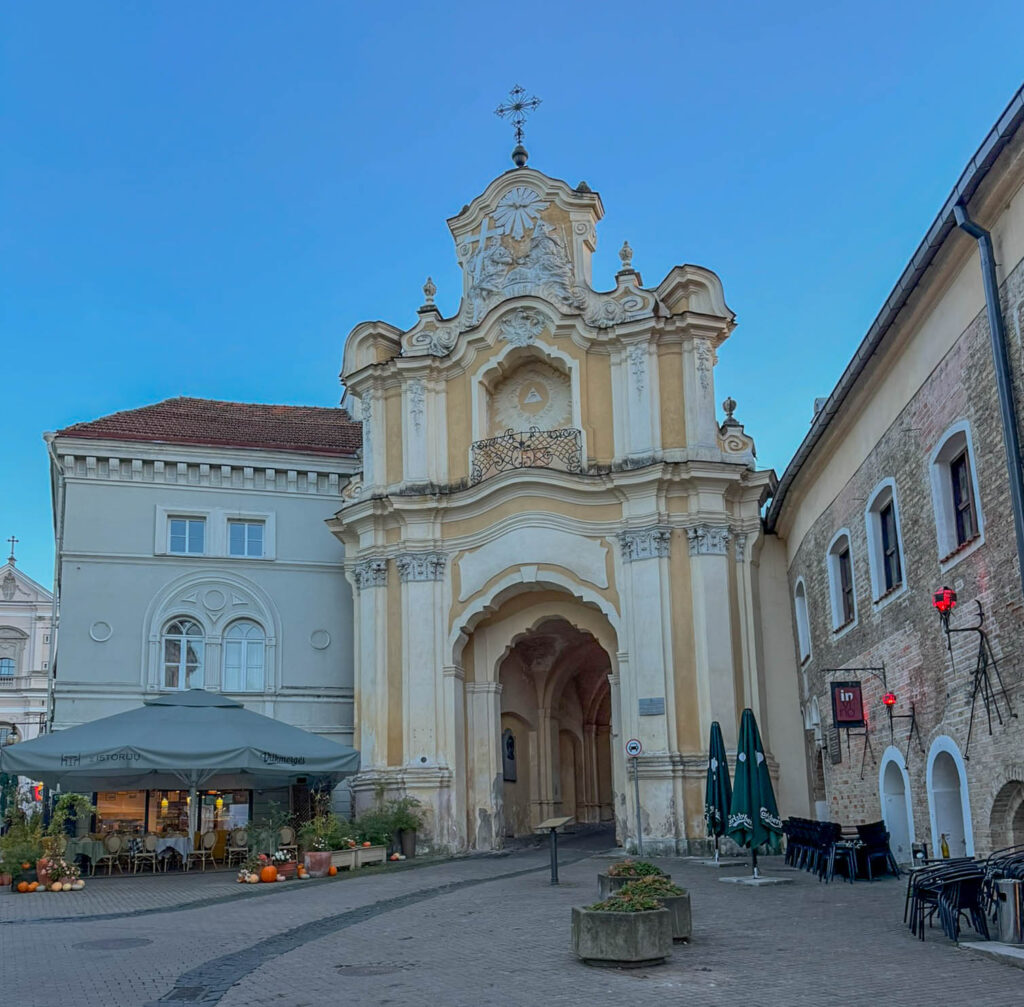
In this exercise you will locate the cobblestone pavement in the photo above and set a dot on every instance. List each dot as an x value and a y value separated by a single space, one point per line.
487 930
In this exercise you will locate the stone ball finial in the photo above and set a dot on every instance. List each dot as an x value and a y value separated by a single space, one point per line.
429 289
520 155
626 255
729 405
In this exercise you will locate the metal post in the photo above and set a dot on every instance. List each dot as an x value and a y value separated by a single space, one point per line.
636 793
554 856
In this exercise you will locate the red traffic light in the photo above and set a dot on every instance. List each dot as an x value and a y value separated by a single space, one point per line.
889 699
944 600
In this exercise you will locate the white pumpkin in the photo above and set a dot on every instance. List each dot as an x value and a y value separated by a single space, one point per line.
56 887
78 885
254 879
281 877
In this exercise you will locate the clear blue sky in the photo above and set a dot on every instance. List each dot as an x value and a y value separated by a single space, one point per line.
203 199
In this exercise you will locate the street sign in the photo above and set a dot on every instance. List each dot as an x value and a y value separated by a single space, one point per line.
633 748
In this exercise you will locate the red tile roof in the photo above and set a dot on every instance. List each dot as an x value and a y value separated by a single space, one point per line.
314 429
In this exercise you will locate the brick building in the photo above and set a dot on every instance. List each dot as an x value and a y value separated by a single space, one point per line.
902 486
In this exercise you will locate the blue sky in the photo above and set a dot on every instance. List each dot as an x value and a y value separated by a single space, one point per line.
203 199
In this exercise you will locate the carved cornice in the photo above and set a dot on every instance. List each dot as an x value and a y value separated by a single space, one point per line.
708 540
420 566
644 543
372 572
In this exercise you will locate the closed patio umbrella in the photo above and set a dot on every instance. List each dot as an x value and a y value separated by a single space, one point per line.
717 789
753 814
193 739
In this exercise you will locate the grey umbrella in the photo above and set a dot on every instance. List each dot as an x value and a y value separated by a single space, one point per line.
193 738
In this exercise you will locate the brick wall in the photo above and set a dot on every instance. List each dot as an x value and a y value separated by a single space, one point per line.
902 631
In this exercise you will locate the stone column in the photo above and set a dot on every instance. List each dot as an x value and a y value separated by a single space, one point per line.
636 401
453 746
591 800
748 646
370 577
699 396
414 431
548 794
486 786
712 625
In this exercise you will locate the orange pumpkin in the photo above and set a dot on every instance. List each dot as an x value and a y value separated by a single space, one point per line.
367 843
33 885
22 886
332 870
269 873
26 866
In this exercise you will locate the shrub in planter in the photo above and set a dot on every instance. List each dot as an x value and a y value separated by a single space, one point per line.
617 875
625 930
675 899
406 820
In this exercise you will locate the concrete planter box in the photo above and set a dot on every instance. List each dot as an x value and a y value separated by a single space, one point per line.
682 918
623 940
343 859
608 884
366 855
317 863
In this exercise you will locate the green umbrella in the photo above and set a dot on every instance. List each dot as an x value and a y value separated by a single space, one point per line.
753 814
717 790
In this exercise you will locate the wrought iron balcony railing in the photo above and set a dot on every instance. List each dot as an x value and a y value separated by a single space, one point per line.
525 449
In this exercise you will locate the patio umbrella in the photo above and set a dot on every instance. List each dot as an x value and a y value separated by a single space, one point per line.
192 739
753 814
717 789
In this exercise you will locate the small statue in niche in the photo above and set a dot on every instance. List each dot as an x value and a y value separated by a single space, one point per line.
508 755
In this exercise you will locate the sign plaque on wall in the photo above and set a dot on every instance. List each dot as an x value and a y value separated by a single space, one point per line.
653 707
847 705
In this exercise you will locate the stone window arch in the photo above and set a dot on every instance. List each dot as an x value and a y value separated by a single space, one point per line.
182 646
959 521
885 542
841 581
803 625
12 647
245 645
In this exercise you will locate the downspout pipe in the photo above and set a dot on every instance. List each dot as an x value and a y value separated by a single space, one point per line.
1004 384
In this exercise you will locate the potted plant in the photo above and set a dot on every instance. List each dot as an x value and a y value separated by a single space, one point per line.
617 875
21 846
285 862
626 930
675 899
319 837
373 833
406 820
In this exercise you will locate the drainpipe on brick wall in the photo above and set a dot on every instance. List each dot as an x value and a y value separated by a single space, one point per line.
1004 385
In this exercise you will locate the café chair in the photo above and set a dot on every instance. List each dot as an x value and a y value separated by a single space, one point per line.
112 854
147 855
238 846
205 852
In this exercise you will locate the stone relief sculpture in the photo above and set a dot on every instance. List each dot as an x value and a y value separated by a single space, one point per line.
521 326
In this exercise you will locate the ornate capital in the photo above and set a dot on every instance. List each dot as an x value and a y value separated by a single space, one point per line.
708 540
372 572
644 543
418 566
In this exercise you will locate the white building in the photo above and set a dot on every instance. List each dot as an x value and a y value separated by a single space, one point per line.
26 609
192 552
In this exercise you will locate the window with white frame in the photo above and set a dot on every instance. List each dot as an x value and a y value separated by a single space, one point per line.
803 629
885 547
245 646
958 518
245 538
6 732
7 667
186 536
183 644
841 583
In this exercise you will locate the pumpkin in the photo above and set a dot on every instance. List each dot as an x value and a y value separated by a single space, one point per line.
394 856
26 866
269 873
254 879
281 877
332 870
367 843
78 885
56 887
33 885
22 886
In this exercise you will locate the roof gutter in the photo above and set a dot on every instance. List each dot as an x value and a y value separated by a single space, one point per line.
973 175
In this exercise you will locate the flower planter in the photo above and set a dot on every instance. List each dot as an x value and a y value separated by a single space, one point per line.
343 859
366 855
317 863
622 940
608 884
407 843
287 869
682 918
42 872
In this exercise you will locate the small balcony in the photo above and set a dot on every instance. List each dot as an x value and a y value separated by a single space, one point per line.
526 449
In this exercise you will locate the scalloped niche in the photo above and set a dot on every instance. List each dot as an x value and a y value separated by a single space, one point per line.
528 391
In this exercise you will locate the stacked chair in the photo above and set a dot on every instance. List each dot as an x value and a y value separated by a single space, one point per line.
949 890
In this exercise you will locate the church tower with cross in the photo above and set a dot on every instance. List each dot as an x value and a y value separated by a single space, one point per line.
554 544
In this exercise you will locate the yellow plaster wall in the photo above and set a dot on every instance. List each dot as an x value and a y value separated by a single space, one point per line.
683 647
395 699
393 421
737 642
460 427
582 510
670 379
596 407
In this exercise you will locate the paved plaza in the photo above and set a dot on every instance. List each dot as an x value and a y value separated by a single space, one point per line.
480 930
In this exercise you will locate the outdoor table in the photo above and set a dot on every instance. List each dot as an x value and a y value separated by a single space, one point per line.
181 845
91 848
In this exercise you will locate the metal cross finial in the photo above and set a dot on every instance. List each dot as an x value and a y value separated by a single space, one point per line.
516 109
14 541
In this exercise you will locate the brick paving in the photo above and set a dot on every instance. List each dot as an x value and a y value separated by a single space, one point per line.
487 930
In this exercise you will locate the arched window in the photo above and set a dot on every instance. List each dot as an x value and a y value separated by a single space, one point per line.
840 582
183 655
244 657
803 629
885 546
958 519
7 667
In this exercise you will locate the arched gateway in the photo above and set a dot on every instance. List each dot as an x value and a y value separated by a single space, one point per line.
554 545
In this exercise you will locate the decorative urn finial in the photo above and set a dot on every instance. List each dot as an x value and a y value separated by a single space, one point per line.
729 405
626 255
429 289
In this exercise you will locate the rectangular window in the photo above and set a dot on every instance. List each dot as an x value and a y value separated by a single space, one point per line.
245 538
846 585
186 535
963 499
890 547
